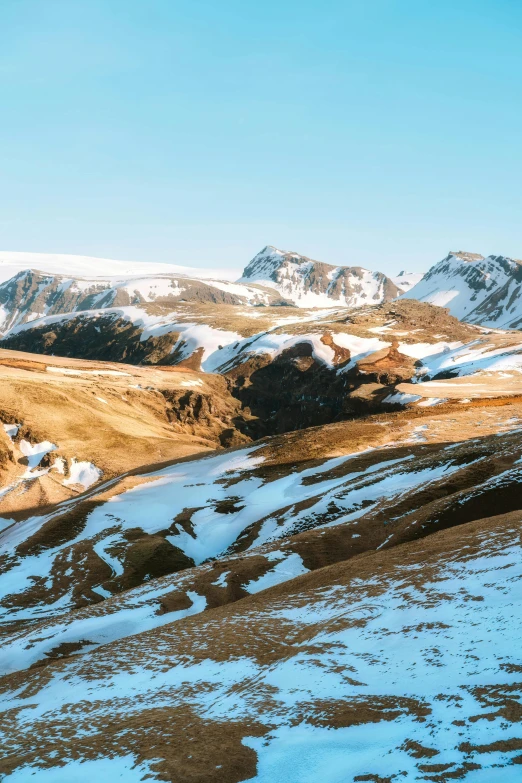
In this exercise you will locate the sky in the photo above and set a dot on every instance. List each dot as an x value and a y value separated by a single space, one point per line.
381 133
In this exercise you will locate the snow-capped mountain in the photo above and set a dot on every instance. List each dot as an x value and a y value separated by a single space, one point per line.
406 280
31 294
309 283
479 290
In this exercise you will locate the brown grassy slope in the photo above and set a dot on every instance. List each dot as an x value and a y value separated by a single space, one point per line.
118 422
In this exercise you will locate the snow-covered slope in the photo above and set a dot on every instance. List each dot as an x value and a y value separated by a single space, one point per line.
231 504
479 290
30 294
309 283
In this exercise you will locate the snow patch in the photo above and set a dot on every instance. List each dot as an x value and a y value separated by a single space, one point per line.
35 453
84 473
11 430
399 398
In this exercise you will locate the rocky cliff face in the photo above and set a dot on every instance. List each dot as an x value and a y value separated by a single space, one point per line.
309 283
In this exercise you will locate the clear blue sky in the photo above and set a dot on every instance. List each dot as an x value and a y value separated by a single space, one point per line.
374 132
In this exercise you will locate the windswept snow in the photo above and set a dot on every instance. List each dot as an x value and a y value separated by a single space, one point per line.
114 768
429 402
473 357
423 350
285 569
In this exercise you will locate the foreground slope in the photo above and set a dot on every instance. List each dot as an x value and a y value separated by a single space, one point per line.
339 603
401 664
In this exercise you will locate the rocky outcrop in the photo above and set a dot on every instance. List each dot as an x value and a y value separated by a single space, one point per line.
387 366
209 415
294 390
106 338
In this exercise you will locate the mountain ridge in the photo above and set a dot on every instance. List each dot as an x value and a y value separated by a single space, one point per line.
32 294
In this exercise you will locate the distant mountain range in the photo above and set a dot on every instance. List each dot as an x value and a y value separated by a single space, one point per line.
475 289
36 286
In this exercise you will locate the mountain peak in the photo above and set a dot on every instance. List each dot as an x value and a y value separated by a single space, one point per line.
309 283
476 289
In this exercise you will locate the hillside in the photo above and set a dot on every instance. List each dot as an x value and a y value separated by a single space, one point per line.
289 369
31 295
